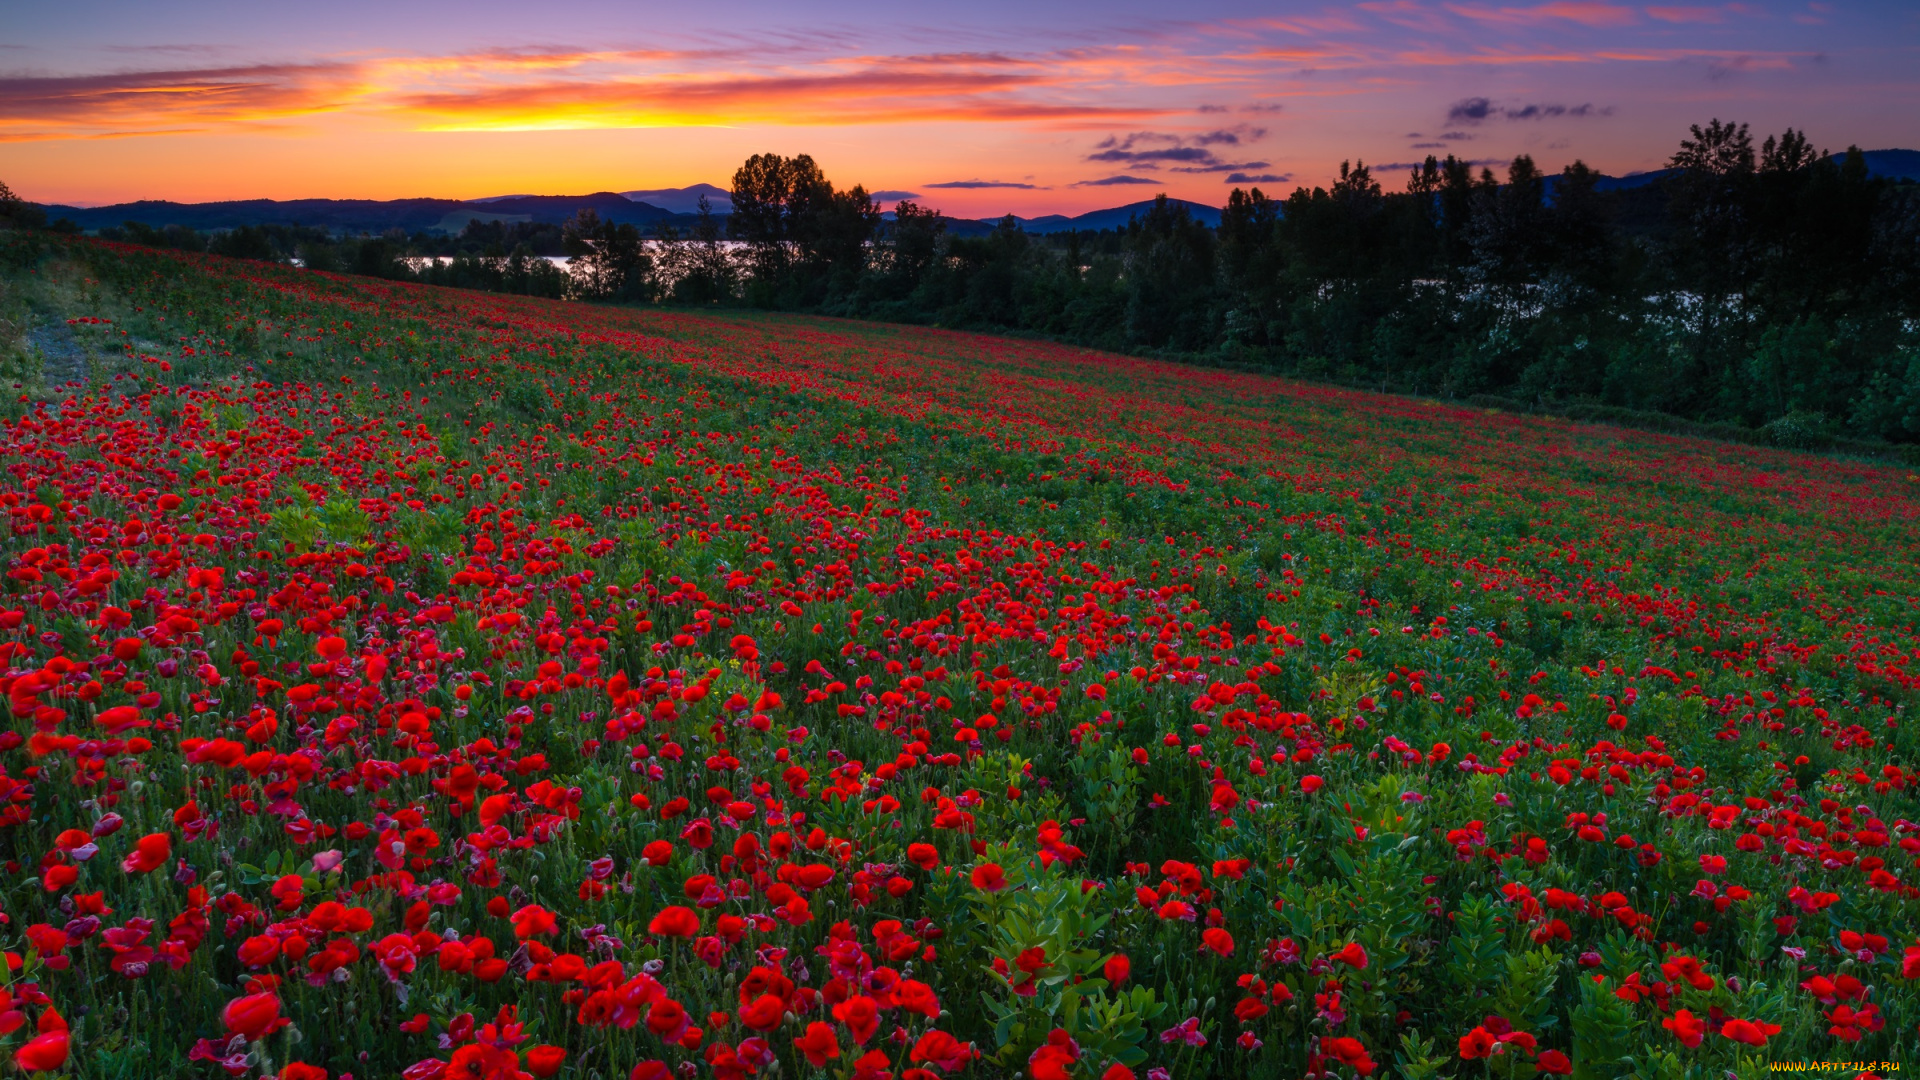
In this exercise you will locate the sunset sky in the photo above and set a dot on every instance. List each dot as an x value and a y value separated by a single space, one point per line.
978 108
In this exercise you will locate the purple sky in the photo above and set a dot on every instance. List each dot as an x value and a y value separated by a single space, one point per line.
978 108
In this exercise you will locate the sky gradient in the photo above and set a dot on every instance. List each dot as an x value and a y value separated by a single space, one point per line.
979 109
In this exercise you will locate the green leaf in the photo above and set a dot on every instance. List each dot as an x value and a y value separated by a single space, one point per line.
1344 861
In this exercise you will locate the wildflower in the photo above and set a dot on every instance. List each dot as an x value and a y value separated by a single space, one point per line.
818 1044
680 922
1186 1031
861 1014
150 853
543 1061
1350 1052
939 1048
47 1050
1055 1057
1751 1032
1686 1027
254 1016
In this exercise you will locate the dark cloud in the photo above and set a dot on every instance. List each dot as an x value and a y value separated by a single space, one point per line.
1182 153
1258 178
1470 111
971 184
1221 166
1230 138
1168 153
892 196
1478 109
1116 181
1541 112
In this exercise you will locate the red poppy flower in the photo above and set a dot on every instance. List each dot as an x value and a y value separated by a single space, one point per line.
1351 1052
818 1044
543 1061
861 1015
676 921
667 1019
150 853
1477 1044
254 1016
1751 1032
1686 1027
937 1047
42 1053
533 921
763 1013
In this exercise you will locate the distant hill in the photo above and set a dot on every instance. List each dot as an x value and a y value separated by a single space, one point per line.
452 215
367 215
1114 217
685 200
554 209
654 207
1893 164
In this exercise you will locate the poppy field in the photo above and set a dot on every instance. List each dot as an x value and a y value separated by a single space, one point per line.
405 682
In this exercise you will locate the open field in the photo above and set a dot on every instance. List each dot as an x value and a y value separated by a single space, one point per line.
409 679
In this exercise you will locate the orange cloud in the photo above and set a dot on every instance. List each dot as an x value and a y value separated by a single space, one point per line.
87 105
893 91
557 88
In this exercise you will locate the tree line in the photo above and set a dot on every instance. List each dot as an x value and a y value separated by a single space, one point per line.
1763 286
1767 287
1756 288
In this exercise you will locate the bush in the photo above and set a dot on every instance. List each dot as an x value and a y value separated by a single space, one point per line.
1800 431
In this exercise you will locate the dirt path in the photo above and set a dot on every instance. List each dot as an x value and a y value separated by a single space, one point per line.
62 359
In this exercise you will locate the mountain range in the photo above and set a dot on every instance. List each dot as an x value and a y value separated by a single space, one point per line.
648 209
370 216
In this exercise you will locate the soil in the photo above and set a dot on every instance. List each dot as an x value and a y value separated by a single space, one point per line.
62 358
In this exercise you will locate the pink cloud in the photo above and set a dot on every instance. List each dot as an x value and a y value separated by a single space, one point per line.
1594 13
1687 14
1407 13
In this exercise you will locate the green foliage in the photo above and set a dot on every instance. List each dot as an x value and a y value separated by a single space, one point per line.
1287 599
1049 911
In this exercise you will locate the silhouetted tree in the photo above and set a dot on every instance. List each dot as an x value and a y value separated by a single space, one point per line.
1170 260
610 261
802 236
698 268
18 212
914 237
